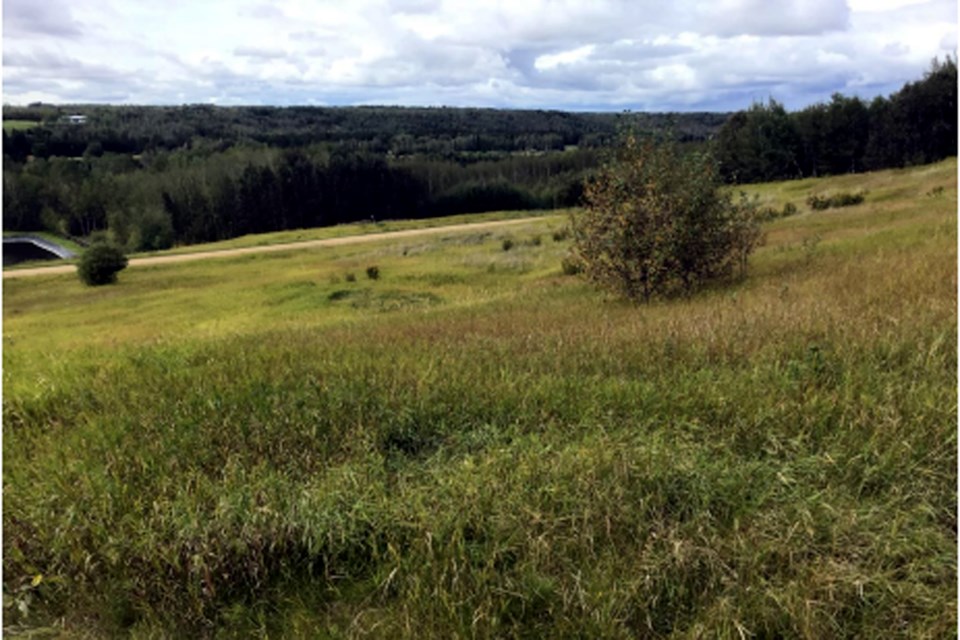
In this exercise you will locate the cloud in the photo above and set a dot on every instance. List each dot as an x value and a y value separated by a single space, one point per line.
610 54
266 53
775 17
26 18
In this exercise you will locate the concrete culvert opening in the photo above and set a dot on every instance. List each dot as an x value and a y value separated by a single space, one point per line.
28 248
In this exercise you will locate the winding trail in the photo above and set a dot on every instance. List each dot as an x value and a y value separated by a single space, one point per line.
289 246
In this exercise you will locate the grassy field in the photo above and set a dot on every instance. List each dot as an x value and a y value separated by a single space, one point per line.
354 229
17 125
475 445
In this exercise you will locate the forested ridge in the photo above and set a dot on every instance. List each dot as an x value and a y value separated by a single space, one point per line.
152 177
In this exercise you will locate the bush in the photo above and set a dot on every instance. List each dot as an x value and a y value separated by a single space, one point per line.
656 222
770 213
507 244
373 272
571 266
100 264
819 203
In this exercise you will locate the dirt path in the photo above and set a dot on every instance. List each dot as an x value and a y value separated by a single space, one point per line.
307 244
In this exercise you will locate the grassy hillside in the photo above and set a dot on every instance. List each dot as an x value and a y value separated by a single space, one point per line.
475 445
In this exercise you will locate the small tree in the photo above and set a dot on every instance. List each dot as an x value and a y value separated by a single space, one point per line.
656 222
100 264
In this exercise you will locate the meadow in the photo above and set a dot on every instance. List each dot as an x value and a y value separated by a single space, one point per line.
19 125
475 445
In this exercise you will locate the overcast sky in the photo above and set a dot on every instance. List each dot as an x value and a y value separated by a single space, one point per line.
640 55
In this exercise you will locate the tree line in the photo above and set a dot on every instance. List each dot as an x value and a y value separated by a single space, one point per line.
915 125
205 194
398 131
153 177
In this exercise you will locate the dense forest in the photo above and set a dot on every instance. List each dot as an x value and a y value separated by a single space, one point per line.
916 125
152 177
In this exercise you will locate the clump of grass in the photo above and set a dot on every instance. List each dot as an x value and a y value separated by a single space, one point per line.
571 265
373 272
561 234
507 244
843 199
772 213
350 277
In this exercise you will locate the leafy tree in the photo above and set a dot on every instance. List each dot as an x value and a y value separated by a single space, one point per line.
100 264
657 223
926 114
846 128
758 145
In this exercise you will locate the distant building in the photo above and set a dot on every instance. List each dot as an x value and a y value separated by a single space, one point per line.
75 119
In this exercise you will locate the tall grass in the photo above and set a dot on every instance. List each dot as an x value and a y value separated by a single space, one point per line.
475 445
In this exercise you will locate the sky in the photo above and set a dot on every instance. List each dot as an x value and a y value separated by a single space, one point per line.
580 55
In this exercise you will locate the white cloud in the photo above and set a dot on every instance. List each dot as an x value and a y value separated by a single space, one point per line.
775 17
573 56
613 54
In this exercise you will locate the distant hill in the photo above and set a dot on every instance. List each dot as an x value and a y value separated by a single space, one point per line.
135 129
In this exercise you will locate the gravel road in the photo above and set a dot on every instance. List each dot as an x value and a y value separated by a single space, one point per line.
308 244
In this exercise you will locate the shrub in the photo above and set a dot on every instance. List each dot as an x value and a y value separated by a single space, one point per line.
819 203
373 272
507 244
656 222
770 213
571 265
100 264
561 234
767 213
350 277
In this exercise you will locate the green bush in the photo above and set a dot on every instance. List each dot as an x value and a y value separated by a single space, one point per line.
656 222
373 272
507 244
771 213
819 203
100 264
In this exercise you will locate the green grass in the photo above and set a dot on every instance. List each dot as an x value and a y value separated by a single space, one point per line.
354 229
18 125
474 445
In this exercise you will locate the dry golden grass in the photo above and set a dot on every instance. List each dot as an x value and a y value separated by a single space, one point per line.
474 445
